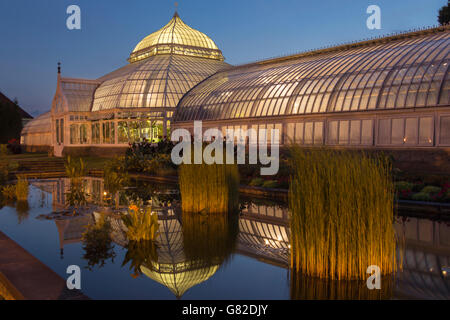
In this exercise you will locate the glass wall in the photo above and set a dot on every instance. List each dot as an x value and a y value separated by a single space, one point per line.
132 131
408 131
445 130
305 133
95 133
108 132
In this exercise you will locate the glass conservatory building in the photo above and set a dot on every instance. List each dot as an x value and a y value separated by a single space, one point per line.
390 92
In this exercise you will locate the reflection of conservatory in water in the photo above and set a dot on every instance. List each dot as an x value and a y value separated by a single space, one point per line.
263 234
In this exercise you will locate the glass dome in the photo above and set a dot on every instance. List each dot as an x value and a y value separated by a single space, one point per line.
157 82
176 38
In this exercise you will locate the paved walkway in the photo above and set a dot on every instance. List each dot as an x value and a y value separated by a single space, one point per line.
22 276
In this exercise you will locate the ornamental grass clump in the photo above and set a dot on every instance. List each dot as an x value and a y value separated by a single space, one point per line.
342 214
141 224
209 188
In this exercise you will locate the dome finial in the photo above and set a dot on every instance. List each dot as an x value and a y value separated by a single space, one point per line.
176 10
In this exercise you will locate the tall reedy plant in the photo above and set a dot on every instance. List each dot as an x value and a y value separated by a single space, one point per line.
209 188
342 214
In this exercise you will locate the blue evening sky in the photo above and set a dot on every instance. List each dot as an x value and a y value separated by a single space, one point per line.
34 37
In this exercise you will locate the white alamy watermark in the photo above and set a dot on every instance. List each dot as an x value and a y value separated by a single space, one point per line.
374 20
374 281
73 22
235 143
74 280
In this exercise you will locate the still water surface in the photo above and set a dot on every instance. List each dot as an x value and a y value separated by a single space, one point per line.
197 259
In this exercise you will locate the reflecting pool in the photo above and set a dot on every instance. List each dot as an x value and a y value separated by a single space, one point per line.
241 256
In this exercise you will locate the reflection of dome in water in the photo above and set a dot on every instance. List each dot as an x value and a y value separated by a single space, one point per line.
180 277
173 269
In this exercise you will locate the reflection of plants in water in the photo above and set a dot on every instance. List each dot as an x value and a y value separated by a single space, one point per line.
142 224
9 192
146 191
115 177
22 188
309 288
22 209
140 253
76 197
97 244
75 168
209 237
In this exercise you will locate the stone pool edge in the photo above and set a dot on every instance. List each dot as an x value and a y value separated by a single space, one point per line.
24 277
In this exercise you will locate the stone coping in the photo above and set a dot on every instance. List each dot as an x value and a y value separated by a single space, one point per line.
24 277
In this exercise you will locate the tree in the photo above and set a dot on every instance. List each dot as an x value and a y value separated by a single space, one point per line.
10 122
444 14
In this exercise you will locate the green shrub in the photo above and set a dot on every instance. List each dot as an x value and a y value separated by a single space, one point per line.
342 207
430 190
270 184
256 182
421 196
402 186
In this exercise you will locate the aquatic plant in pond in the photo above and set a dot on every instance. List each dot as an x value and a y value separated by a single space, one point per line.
97 243
141 224
341 204
208 188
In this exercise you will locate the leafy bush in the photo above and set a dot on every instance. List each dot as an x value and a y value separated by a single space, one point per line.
14 146
421 196
270 184
149 158
256 182
430 190
402 186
